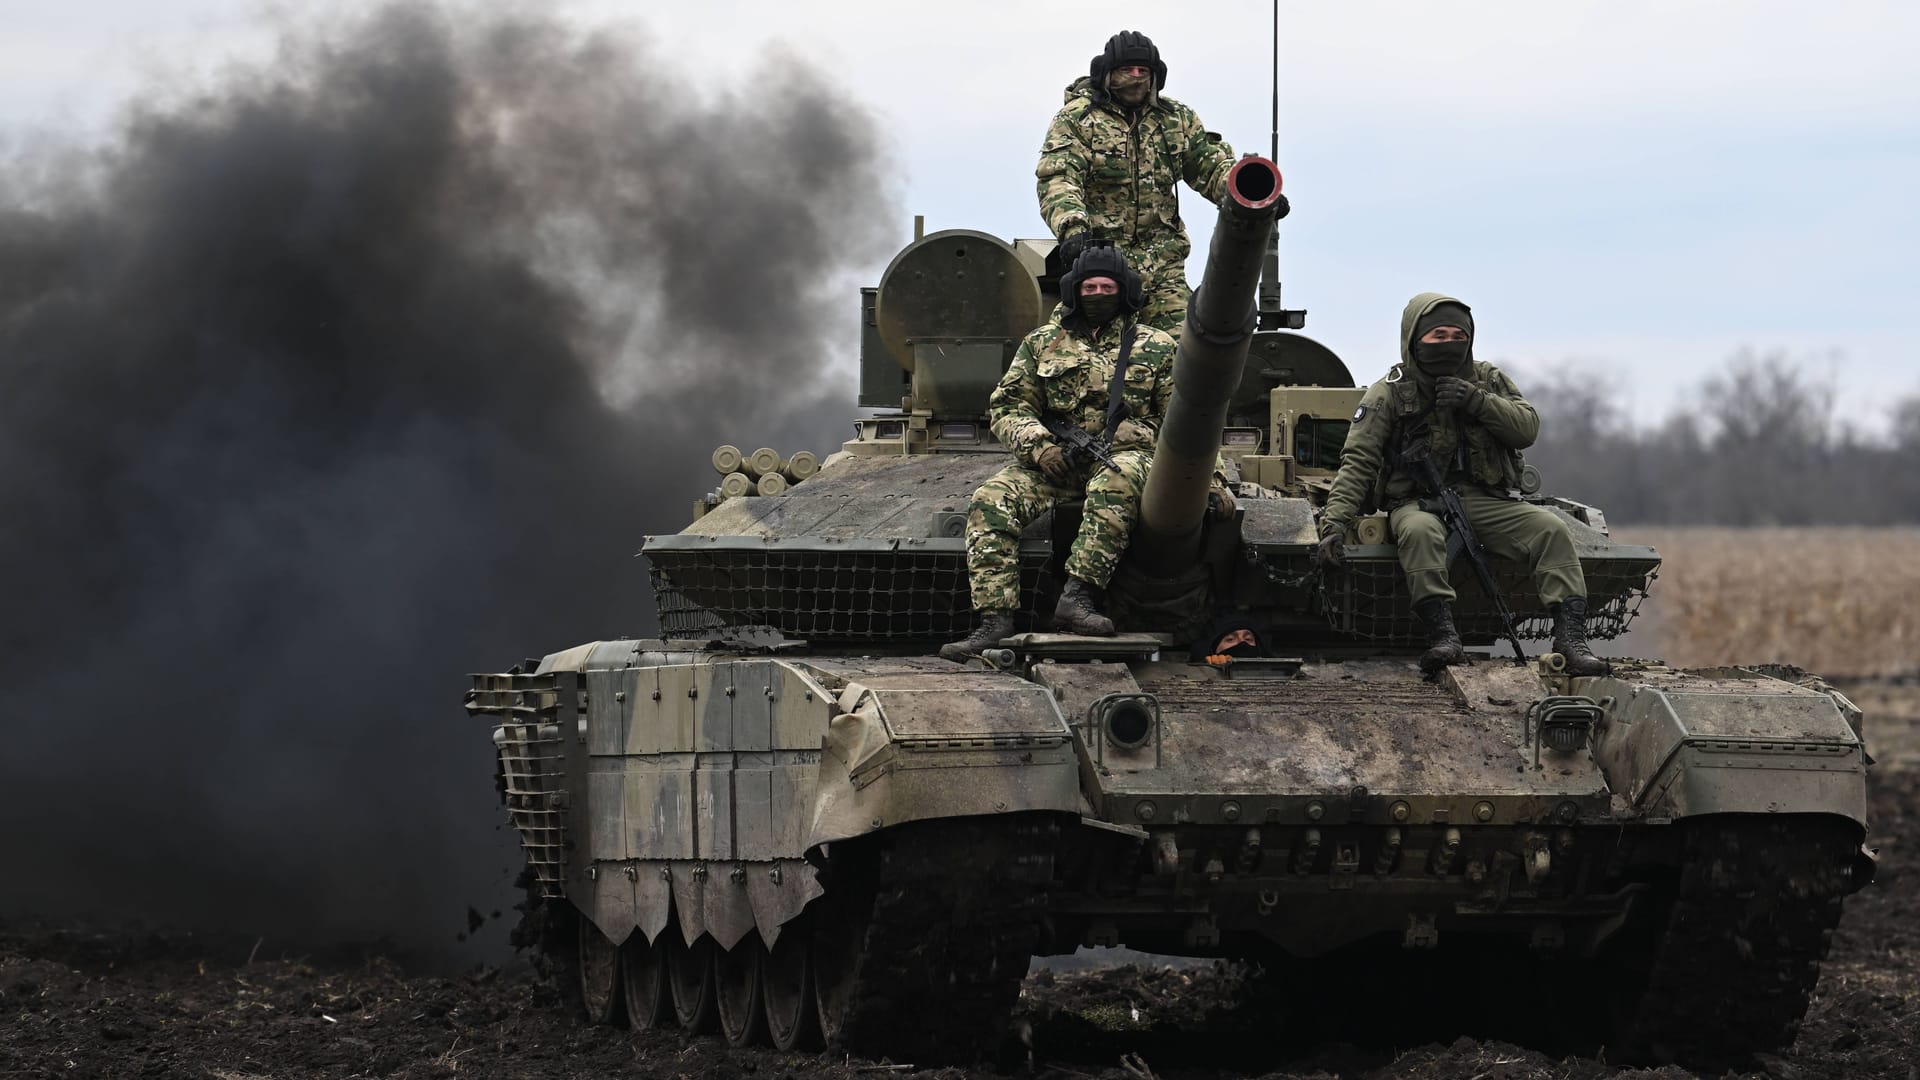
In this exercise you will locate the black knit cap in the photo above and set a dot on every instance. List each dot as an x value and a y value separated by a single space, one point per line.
1227 624
1129 47
1102 259
1444 314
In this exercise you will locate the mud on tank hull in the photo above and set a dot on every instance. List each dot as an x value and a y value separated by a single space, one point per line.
788 846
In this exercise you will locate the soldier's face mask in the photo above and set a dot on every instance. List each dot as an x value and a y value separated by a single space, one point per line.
1441 355
1099 300
1238 643
1100 309
1130 84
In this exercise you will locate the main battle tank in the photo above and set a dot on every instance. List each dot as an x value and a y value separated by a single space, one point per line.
787 818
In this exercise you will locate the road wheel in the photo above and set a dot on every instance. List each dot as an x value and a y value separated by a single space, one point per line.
690 976
786 980
839 935
743 1012
643 981
599 974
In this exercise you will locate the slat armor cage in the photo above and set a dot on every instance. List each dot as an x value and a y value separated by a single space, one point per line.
534 711
1367 599
916 590
853 591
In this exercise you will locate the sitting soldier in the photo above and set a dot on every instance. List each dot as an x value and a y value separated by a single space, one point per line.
1095 368
1468 420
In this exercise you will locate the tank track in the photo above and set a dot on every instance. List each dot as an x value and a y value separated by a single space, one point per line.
1753 916
956 910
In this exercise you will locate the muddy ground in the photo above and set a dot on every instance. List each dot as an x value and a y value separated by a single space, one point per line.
90 1004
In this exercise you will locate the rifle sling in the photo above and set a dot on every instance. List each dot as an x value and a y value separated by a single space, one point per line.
1116 387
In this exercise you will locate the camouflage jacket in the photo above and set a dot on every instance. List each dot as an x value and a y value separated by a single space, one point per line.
1116 178
1057 370
1500 425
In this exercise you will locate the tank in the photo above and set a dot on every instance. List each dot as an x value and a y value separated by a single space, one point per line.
786 819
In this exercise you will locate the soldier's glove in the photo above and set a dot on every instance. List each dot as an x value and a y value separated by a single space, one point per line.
1453 392
1220 502
1071 245
1332 551
1132 435
1053 463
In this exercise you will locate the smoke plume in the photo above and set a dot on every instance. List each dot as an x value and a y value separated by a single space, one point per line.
349 376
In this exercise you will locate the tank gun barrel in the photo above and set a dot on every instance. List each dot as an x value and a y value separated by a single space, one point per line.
1207 369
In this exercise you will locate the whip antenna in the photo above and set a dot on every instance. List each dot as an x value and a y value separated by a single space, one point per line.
1271 317
1273 151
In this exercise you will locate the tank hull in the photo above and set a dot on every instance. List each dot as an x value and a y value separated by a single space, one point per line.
1287 813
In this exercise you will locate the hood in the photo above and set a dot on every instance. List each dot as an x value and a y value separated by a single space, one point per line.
1417 307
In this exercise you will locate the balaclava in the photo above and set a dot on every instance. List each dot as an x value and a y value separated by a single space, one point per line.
1099 309
1236 632
1123 49
1445 357
1101 259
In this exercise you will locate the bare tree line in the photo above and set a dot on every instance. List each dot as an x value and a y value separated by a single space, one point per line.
1760 443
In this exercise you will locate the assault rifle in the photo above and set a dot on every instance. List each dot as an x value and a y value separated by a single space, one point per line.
1077 442
1444 503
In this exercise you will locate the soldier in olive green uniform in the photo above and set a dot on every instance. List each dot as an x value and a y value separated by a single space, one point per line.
1470 419
1110 165
1065 368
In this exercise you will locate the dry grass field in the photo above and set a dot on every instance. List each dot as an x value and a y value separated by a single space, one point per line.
1844 602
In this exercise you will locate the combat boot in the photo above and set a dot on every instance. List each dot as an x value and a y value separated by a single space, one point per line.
1443 641
1078 611
994 625
1570 637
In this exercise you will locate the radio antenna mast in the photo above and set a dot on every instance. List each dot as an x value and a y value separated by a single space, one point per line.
1273 150
1271 317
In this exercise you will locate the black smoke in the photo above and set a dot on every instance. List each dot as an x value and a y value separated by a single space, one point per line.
360 371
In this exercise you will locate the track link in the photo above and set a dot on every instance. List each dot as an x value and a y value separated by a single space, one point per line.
954 914
1756 904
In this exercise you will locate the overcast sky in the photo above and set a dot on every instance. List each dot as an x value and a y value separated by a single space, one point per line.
1637 187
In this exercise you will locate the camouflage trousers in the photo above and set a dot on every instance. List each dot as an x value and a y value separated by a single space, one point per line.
1013 497
1166 307
1162 264
1509 528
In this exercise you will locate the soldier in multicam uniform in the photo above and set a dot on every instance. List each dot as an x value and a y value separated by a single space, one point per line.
1109 169
1066 368
1469 418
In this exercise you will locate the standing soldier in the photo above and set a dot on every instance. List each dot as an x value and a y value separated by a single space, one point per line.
1108 171
1469 420
1096 368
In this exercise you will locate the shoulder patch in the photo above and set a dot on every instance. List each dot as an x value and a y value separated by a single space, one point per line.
1359 414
